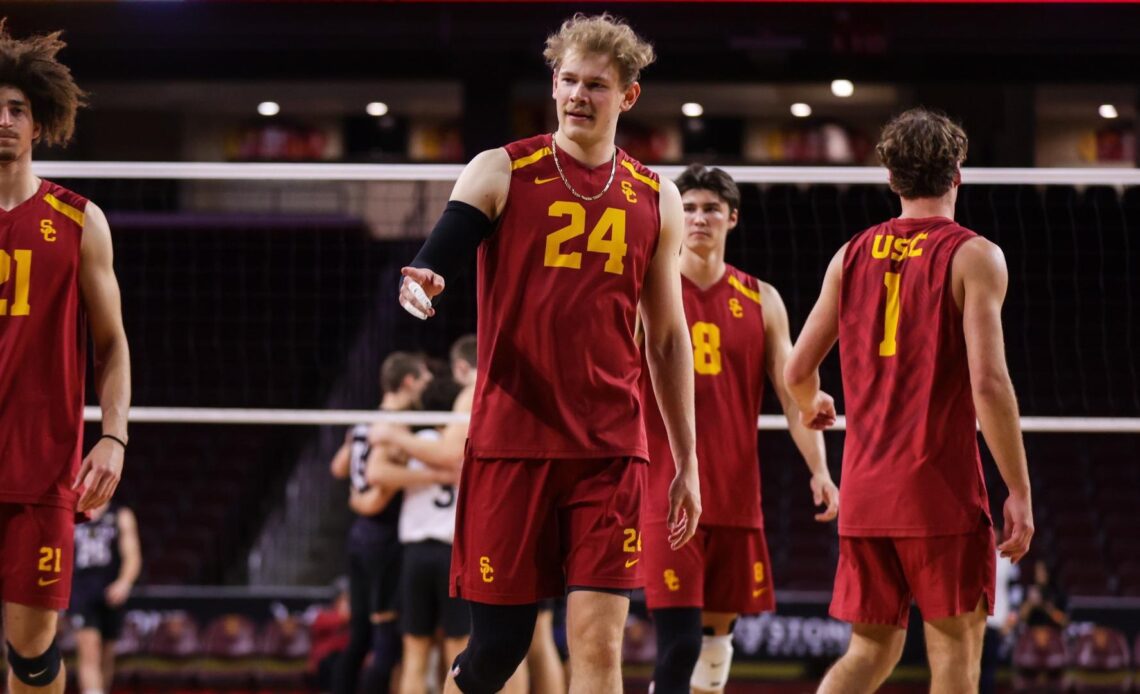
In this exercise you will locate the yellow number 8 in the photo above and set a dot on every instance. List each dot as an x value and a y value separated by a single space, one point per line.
706 348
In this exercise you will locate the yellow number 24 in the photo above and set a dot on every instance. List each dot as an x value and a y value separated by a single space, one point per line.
612 222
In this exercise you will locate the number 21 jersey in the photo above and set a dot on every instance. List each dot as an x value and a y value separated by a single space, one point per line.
43 344
911 466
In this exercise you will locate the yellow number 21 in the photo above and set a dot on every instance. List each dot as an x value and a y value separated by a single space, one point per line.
23 262
612 222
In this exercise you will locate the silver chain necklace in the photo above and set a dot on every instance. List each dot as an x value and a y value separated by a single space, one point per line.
587 198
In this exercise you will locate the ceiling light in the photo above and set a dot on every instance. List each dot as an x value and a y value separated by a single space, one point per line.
1107 111
692 109
268 108
842 88
377 108
801 110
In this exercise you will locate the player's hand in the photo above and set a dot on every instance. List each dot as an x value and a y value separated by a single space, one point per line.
824 492
684 506
821 414
1018 514
99 474
117 593
418 287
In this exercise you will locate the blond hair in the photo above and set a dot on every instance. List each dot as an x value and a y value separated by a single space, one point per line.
601 34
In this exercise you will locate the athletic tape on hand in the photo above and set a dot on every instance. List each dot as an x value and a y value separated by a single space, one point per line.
417 292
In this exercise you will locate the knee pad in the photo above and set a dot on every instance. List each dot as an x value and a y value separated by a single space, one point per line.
500 639
711 672
39 671
387 646
678 648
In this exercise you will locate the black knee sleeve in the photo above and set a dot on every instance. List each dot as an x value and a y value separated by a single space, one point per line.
39 671
678 648
500 639
387 646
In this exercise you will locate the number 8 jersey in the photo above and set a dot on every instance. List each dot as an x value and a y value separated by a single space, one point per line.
559 282
43 345
911 466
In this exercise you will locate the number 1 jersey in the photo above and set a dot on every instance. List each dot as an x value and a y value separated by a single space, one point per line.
43 346
559 282
911 466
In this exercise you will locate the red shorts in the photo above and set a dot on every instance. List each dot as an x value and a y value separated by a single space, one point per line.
37 551
527 529
722 569
878 577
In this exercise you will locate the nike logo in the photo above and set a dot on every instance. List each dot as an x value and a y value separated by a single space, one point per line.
539 181
758 592
37 675
631 562
45 582
714 666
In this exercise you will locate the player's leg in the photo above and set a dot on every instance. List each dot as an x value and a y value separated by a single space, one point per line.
347 670
711 671
500 638
954 581
871 655
108 666
871 592
679 642
415 664
674 593
595 623
954 650
546 674
35 665
600 519
419 615
110 628
89 660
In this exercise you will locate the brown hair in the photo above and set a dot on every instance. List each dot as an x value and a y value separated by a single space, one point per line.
30 65
601 34
398 366
700 177
923 150
465 348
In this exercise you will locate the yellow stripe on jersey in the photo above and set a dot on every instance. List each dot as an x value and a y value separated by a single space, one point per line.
529 159
64 209
641 177
739 286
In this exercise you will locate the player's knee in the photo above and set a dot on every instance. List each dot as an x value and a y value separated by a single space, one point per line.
678 648
37 671
489 661
711 671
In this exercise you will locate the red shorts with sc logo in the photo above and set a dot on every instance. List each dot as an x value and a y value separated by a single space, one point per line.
525 530
36 555
722 569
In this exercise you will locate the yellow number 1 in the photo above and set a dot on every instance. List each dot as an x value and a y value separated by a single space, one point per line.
889 346
23 260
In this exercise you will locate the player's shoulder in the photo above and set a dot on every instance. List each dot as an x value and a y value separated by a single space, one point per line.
976 251
525 152
745 284
66 202
639 172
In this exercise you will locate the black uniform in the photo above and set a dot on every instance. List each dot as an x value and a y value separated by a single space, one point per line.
97 563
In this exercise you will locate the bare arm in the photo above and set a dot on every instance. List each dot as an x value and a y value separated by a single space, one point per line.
777 348
669 353
980 280
801 374
483 184
339 465
446 452
103 466
131 555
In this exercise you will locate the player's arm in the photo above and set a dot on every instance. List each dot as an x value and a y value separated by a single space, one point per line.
131 555
338 467
777 348
388 472
103 466
801 374
669 353
979 269
444 453
476 201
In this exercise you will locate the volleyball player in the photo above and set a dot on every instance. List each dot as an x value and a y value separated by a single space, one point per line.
373 545
108 560
915 303
56 283
572 233
739 328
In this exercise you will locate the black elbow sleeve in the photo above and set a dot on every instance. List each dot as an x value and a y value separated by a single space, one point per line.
454 240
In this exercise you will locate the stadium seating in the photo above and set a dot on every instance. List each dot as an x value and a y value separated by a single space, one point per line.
1039 660
1101 662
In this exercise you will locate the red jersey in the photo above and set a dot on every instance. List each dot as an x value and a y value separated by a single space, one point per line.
43 344
726 322
911 466
559 282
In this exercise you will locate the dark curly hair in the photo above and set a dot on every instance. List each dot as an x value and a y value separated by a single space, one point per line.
30 65
923 150
700 177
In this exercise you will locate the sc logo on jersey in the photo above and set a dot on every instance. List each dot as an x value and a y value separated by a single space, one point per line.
47 230
671 581
486 570
630 193
735 307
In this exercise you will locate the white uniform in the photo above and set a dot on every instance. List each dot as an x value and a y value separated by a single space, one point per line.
429 510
